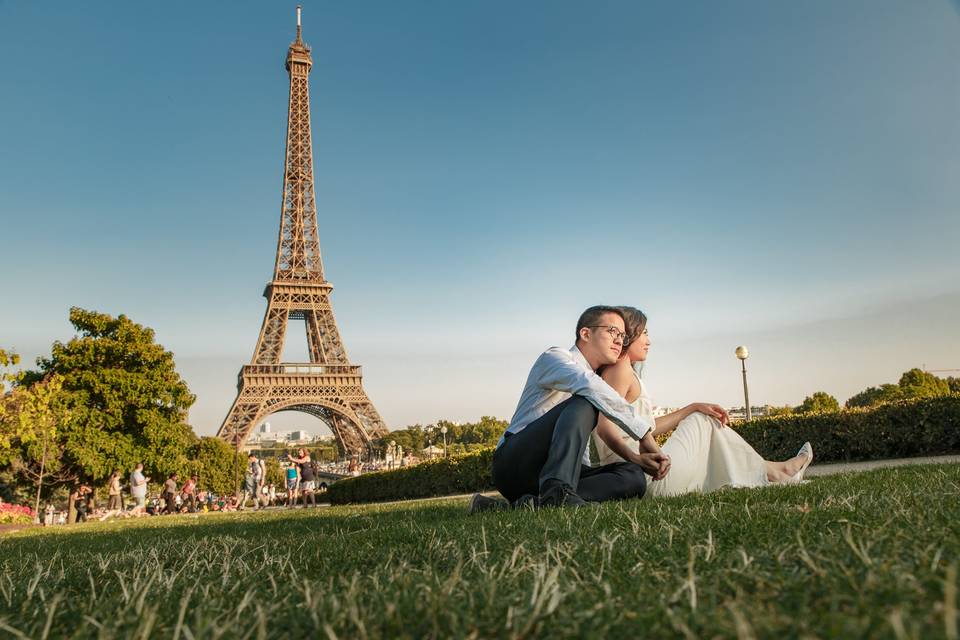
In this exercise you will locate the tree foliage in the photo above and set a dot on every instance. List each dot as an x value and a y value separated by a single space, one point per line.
8 359
917 383
954 384
126 401
779 411
213 460
461 438
914 383
819 402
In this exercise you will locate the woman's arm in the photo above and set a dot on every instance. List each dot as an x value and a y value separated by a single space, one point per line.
620 377
669 422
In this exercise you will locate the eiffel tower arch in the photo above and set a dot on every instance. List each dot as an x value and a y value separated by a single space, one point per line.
328 387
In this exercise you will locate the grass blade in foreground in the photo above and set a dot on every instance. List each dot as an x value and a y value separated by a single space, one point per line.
867 555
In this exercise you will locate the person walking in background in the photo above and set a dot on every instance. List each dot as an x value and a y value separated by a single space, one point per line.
307 478
138 489
115 505
189 494
82 503
116 500
292 483
170 494
251 482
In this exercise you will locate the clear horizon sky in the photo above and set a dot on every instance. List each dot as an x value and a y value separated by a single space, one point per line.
777 174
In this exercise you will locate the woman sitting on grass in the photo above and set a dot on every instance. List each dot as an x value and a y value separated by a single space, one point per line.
705 455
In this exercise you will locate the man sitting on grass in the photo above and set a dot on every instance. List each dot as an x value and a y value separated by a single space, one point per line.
538 461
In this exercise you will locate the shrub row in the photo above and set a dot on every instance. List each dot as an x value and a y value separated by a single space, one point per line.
922 427
905 429
457 474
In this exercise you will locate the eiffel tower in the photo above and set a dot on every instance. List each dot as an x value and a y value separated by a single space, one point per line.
328 387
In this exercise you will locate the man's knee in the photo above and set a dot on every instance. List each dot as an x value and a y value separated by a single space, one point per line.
580 409
633 480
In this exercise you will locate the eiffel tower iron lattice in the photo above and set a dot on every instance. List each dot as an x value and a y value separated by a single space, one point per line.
328 387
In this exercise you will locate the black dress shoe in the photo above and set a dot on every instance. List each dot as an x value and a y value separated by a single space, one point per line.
560 495
480 502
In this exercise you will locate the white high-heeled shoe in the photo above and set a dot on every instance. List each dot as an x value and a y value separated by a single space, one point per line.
807 451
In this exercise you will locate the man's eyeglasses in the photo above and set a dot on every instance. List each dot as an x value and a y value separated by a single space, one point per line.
613 331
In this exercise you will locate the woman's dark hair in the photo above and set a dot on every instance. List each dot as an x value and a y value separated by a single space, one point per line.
634 322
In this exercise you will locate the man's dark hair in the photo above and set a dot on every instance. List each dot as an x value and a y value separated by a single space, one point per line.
592 316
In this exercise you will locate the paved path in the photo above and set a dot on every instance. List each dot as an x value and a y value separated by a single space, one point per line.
845 467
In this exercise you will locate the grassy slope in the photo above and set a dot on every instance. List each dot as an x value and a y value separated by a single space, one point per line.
868 555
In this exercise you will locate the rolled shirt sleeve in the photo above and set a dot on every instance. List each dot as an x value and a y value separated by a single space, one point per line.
559 372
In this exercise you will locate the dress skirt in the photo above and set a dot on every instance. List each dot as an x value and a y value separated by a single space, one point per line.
705 456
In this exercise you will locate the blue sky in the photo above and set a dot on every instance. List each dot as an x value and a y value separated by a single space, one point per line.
778 174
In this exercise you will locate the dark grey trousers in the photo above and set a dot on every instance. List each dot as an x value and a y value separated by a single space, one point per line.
550 449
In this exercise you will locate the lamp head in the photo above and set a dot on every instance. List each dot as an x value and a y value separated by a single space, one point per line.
742 352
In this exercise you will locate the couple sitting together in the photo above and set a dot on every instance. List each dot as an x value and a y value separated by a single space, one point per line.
594 390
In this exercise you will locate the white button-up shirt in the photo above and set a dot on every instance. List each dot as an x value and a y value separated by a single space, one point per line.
559 374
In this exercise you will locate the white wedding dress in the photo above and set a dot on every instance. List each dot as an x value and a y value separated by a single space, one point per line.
704 455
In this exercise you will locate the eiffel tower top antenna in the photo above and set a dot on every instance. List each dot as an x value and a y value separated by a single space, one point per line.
299 29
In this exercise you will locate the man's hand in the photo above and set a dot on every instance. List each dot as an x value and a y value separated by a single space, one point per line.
712 410
656 464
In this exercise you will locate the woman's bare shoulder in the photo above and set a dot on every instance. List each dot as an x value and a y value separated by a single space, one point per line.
618 372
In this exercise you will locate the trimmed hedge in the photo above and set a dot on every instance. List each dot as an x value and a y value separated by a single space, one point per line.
923 427
457 474
905 429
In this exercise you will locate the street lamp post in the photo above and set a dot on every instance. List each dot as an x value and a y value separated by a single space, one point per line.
443 430
742 354
393 453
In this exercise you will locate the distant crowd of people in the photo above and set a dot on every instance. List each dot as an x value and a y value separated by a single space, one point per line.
300 474
300 488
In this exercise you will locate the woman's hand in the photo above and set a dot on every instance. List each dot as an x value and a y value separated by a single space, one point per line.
656 464
713 410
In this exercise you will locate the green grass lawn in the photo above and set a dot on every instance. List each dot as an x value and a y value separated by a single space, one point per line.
867 555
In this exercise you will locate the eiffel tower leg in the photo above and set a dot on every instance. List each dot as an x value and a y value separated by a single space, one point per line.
242 417
323 337
373 425
314 338
272 335
348 435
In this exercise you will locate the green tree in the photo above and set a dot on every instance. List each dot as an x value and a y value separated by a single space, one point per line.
779 411
460 437
324 453
8 402
954 384
30 417
917 383
8 359
127 402
41 413
275 473
212 459
819 402
872 396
